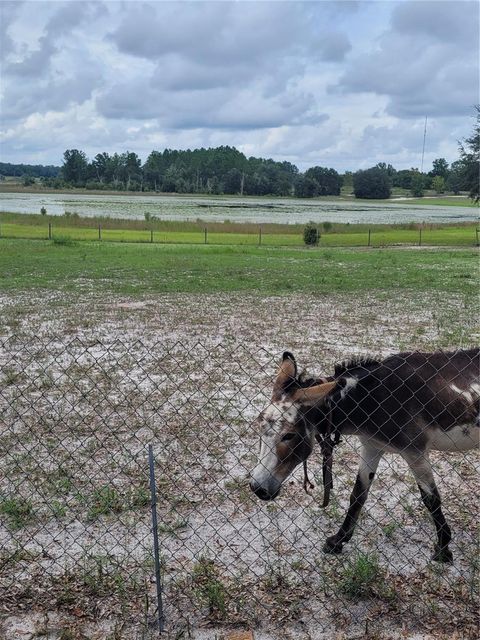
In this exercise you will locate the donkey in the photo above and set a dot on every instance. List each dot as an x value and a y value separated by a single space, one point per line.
409 404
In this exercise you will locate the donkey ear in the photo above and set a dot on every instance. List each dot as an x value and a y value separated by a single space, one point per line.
313 395
286 373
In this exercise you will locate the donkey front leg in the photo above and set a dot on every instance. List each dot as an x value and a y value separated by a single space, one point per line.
369 458
422 470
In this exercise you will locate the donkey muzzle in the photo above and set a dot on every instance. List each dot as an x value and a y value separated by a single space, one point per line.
263 493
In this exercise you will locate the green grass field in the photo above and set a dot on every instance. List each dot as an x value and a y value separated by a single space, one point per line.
77 228
136 270
445 201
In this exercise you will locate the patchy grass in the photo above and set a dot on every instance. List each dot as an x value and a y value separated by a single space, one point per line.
208 587
18 511
138 270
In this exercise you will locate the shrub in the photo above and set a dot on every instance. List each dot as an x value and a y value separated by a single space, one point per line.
27 181
311 234
327 226
43 211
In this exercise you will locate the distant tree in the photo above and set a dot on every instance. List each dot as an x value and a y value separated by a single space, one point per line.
232 182
470 159
418 185
75 167
311 234
438 184
372 183
455 179
387 168
153 171
403 178
306 187
328 181
101 166
34 170
440 168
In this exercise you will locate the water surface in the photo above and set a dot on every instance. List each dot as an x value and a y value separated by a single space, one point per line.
236 209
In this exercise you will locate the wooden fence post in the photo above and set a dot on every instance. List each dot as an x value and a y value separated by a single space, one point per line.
99 232
49 230
151 235
259 236
420 238
476 233
369 236
205 235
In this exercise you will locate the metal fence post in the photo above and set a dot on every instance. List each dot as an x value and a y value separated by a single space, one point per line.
153 497
205 235
151 235
49 230
420 238
476 233
369 236
259 236
99 232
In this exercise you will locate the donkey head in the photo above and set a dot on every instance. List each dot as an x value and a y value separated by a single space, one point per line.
287 434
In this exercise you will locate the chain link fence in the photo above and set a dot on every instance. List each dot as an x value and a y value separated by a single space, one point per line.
76 547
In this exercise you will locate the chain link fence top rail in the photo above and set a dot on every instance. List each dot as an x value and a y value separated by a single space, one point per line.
76 419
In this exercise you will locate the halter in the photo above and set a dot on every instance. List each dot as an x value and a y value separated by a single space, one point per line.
327 442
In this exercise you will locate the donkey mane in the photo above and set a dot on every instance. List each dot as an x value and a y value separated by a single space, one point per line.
348 366
305 380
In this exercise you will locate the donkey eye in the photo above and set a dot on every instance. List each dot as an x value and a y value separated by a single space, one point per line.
288 436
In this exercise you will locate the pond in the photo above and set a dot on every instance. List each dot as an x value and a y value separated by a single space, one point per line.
235 209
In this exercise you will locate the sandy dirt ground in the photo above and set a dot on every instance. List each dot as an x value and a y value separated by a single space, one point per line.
87 385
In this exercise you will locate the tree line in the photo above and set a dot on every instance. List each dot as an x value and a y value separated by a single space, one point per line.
226 170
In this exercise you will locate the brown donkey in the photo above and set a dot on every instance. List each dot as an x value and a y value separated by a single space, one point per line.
407 404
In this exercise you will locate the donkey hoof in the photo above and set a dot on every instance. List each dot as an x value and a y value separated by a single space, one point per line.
442 554
332 546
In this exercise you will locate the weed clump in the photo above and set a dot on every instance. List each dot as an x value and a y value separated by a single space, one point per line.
361 576
208 588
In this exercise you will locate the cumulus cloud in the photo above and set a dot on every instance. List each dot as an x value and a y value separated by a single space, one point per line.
8 13
345 84
426 61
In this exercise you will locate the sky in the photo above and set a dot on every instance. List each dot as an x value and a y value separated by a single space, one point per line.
339 84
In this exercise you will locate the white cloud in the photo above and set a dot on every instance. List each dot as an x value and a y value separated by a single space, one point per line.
345 84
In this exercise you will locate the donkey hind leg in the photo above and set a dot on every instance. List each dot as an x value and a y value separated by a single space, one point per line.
369 458
422 470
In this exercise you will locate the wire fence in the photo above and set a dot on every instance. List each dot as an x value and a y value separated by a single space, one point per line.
419 235
76 420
